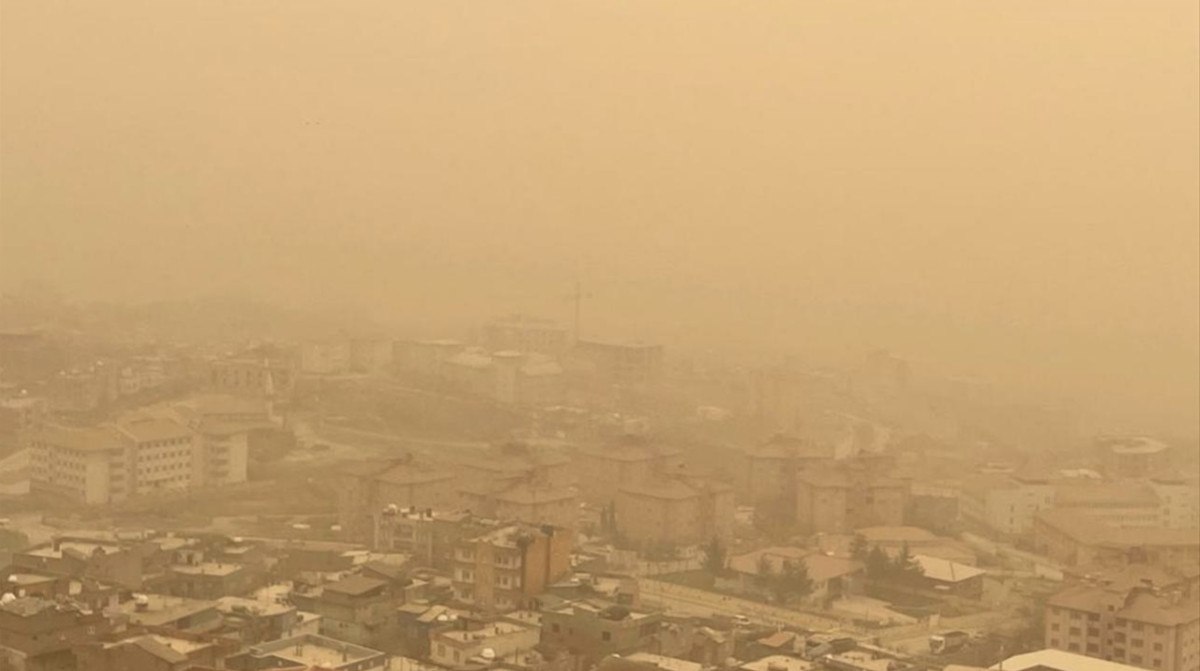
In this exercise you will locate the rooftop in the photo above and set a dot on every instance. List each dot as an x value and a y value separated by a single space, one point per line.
664 662
1085 529
489 630
1059 660
944 570
207 568
778 663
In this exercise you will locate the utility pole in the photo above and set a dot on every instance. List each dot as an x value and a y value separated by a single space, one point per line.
577 296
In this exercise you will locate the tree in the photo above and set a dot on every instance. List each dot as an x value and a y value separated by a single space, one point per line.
905 567
796 581
859 549
878 565
715 557
764 572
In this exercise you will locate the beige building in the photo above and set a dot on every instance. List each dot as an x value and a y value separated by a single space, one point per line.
138 455
1128 622
367 488
504 568
1003 502
630 460
768 470
522 333
1073 537
1132 457
674 511
849 495
528 500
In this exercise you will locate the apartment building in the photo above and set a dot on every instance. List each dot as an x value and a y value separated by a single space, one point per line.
1132 457
1073 537
528 501
596 628
252 376
356 609
848 495
629 460
675 510
506 567
137 455
1179 499
365 489
1137 624
768 470
1114 504
621 362
1003 502
523 333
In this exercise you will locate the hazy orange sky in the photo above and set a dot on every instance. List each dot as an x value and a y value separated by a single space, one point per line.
1006 189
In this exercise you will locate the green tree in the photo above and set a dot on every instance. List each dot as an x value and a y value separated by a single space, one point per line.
905 568
764 572
859 549
878 565
715 557
796 582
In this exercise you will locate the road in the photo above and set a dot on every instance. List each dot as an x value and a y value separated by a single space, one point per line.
692 601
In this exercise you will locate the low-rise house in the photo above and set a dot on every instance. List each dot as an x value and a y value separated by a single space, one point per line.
170 613
356 609
96 558
148 652
919 541
254 621
36 633
210 580
948 577
1059 660
593 629
462 648
831 577
308 651
779 663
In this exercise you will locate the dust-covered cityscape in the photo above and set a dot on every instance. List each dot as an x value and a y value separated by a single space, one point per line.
381 335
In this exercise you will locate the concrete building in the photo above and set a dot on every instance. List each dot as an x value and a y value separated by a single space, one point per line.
1140 625
1132 457
252 376
769 470
621 363
308 651
595 629
355 609
527 501
173 613
507 567
523 333
1114 504
138 455
629 460
850 495
325 357
1179 500
892 540
1058 660
832 577
149 652
467 648
38 634
674 510
1073 537
365 489
1005 503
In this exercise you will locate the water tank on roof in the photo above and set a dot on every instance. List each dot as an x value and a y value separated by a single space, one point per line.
8 597
488 653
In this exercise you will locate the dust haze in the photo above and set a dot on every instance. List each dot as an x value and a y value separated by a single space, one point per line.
599 336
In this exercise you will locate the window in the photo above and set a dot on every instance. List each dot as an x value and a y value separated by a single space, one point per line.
1135 659
1137 642
1074 615
1074 631
606 635
1158 662
1138 626
1158 647
555 628
1092 647
1093 617
1054 626
1073 647
1054 643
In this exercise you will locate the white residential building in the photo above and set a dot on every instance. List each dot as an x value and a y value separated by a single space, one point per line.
1005 503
